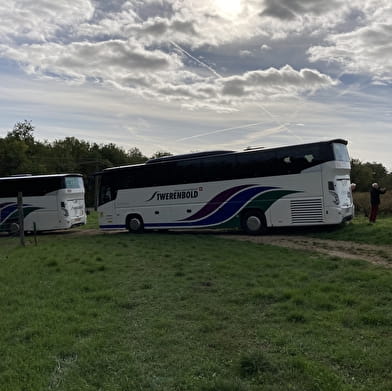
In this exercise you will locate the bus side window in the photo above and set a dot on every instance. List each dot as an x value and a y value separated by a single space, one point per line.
105 195
187 171
246 165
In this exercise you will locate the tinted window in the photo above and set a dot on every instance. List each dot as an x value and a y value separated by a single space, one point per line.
73 182
341 152
250 164
30 186
294 160
254 164
218 168
186 171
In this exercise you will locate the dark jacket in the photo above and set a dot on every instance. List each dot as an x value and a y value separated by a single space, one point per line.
375 195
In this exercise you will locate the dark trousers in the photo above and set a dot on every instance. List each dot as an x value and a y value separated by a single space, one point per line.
373 213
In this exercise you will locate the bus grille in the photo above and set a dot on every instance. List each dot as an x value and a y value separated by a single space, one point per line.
308 211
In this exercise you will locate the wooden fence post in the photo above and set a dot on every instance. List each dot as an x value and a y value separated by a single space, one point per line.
35 233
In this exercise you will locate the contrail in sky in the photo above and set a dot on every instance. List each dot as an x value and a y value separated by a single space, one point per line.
281 125
196 59
176 45
220 131
215 73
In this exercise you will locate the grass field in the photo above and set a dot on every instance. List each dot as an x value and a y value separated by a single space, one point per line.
189 312
359 230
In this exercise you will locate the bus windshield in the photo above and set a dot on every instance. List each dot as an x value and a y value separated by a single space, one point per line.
73 182
341 153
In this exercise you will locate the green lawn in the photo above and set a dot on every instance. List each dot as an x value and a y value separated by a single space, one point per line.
359 230
189 312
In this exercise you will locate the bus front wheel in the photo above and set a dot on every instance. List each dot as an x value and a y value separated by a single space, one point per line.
253 222
135 224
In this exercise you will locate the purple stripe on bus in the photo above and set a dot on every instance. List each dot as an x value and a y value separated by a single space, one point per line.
215 203
227 211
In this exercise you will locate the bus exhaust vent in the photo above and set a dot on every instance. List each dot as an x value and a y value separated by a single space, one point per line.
307 211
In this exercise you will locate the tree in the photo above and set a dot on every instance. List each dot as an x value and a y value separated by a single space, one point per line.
361 174
135 156
159 154
364 174
379 172
22 131
13 158
114 155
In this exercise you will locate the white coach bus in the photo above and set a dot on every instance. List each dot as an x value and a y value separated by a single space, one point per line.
299 185
50 202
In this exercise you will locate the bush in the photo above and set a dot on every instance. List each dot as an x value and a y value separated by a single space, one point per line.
362 203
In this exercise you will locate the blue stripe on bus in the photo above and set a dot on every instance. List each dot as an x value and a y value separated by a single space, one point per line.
7 210
224 213
9 213
114 226
5 204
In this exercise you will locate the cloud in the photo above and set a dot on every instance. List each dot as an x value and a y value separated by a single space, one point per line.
229 93
82 60
289 10
40 20
158 26
265 47
246 53
148 47
274 81
365 50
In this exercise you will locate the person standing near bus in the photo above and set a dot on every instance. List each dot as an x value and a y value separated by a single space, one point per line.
375 192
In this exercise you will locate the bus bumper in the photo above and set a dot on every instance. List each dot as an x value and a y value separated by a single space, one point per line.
339 215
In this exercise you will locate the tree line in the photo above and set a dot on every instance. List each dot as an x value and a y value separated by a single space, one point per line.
363 174
21 153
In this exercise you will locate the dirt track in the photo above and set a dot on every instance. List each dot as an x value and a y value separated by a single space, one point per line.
379 255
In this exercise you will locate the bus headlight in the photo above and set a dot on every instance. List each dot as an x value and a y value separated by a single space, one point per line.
335 197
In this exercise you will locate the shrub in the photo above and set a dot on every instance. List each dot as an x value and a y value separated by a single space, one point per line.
362 203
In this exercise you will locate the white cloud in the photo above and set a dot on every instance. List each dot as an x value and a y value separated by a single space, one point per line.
285 81
40 20
82 60
364 51
134 47
246 53
293 9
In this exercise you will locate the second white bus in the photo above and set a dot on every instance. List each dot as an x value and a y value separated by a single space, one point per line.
50 202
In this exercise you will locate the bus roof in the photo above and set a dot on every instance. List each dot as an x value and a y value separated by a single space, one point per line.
188 156
29 176
196 155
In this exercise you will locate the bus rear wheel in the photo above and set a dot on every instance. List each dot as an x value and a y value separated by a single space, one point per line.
253 222
135 224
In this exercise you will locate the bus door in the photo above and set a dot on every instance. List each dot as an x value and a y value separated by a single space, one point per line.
106 202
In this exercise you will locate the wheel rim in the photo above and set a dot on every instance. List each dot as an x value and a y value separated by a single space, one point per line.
135 224
253 223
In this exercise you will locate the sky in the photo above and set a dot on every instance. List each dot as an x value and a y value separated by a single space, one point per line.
193 75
